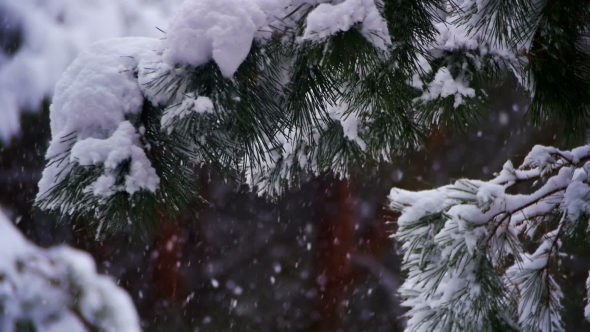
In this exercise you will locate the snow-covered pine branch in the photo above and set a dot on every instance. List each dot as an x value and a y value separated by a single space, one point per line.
57 289
479 258
268 90
40 39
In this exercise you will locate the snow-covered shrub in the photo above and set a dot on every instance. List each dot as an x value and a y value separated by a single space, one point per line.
57 290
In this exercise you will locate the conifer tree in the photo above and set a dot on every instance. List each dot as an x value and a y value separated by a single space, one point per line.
269 90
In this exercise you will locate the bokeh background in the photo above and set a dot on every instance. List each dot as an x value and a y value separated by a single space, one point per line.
319 259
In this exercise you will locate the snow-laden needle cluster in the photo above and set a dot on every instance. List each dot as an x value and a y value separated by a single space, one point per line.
479 258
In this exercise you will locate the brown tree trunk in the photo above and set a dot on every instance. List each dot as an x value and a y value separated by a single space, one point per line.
167 252
335 216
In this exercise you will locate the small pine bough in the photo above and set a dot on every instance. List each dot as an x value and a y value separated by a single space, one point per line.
478 258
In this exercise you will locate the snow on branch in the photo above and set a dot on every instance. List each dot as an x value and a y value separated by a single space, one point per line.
221 30
467 246
268 91
89 119
57 289
42 38
328 19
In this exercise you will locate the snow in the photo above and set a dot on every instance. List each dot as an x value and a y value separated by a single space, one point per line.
446 234
575 199
431 201
224 30
221 30
488 192
99 88
444 85
53 33
92 100
123 145
202 31
329 19
532 278
55 288
541 157
190 104
349 122
455 34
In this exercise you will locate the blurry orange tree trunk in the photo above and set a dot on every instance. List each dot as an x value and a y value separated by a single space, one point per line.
168 251
335 221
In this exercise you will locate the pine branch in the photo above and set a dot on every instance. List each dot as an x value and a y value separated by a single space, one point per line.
479 222
313 93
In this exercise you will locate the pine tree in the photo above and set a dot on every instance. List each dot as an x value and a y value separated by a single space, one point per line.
269 91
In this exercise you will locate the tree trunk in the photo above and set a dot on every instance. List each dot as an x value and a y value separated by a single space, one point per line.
335 243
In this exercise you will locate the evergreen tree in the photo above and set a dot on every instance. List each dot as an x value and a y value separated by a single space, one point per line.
267 91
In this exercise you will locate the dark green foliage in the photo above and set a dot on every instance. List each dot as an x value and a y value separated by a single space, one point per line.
559 63
273 120
169 157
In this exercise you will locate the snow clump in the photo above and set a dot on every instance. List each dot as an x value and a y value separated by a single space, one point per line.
57 289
